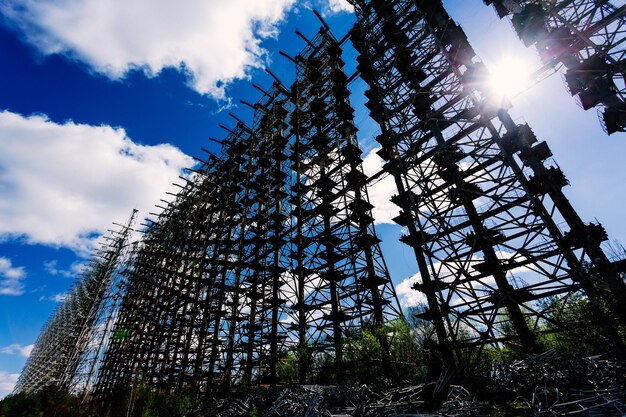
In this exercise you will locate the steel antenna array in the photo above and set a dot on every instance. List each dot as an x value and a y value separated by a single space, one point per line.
499 247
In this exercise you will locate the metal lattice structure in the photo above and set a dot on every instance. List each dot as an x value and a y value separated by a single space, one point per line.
499 246
586 38
269 248
69 349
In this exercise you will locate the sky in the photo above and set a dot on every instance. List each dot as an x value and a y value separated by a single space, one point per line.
102 103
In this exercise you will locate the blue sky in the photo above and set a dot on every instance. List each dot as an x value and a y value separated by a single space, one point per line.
102 104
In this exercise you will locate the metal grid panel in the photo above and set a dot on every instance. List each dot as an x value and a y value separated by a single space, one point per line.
269 248
498 245
68 351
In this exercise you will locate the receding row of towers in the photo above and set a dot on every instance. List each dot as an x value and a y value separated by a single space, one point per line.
269 247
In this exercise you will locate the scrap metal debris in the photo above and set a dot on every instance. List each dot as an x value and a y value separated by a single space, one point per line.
544 385
588 386
551 402
349 400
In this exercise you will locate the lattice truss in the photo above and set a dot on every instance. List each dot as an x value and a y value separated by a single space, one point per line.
269 247
172 306
584 38
498 245
68 350
346 283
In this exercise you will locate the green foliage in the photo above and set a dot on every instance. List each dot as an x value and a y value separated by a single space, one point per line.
288 369
293 365
363 356
363 347
398 351
408 359
390 351
51 401
582 339
254 411
571 325
138 402
241 389
120 334
499 354
325 369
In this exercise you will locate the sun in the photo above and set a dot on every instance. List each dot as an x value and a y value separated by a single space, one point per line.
509 77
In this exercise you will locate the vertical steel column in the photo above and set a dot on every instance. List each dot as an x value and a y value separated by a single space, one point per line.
274 235
343 284
497 243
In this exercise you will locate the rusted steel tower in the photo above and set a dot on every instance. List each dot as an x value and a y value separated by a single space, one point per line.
499 246
586 40
176 291
343 280
68 351
268 248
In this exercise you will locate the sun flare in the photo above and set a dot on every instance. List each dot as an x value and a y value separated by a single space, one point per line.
509 77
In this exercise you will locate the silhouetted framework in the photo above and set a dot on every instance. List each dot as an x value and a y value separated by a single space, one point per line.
499 247
266 249
68 350
585 37
343 283
269 249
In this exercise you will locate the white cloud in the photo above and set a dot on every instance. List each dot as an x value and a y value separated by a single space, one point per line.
16 349
380 192
7 382
72 271
213 42
337 6
407 296
10 276
59 297
63 184
56 298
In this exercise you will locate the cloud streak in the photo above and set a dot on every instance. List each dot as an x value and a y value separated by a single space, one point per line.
7 382
74 270
338 6
63 184
213 42
55 298
11 278
16 349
